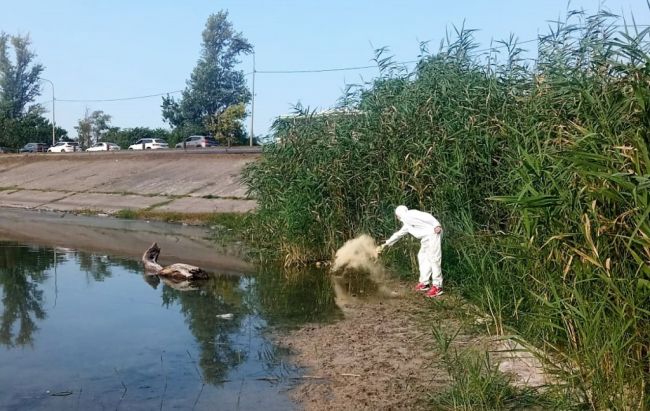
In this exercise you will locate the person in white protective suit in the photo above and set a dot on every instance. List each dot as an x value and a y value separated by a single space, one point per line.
428 230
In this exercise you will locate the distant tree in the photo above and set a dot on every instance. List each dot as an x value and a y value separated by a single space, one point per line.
21 121
84 129
100 124
92 127
114 135
227 126
30 128
62 134
214 84
19 79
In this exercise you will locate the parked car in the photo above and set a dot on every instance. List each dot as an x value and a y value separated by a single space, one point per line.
34 148
149 144
197 142
64 147
104 146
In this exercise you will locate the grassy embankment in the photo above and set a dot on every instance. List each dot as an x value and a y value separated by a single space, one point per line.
228 219
539 173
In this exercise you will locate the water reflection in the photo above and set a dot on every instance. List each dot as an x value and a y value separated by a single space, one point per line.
97 267
293 296
22 269
201 309
95 323
99 329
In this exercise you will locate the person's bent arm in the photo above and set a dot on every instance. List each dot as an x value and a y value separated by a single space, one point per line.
398 234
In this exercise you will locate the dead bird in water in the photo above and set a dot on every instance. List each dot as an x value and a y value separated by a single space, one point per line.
177 271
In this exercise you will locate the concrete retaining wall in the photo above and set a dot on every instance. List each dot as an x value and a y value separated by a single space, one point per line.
169 180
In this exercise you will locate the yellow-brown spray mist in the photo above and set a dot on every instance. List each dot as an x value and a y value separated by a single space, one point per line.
357 254
360 254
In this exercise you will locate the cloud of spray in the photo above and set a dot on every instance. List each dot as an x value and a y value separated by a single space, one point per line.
360 254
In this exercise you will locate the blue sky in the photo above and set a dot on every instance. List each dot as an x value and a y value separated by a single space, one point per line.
104 49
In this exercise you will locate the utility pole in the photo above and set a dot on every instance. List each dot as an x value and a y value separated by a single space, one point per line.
53 118
252 103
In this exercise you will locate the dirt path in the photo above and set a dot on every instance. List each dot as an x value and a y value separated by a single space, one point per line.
381 356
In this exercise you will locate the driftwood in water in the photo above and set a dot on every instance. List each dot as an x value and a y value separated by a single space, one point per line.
177 271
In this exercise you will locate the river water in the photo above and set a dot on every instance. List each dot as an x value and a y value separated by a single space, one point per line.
82 328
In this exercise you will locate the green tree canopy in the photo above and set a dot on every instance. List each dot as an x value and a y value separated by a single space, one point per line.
227 125
214 84
21 121
92 127
30 128
19 79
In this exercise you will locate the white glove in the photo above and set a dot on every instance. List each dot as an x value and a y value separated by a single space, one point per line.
380 248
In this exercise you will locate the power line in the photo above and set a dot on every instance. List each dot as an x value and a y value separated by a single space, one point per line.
307 71
323 70
117 99
374 65
408 61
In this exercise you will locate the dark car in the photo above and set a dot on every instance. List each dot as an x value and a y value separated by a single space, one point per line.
198 142
34 148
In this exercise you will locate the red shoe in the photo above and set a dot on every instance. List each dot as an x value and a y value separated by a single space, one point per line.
433 292
422 287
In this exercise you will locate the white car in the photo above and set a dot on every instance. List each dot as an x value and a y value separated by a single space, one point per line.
64 147
149 144
197 142
102 146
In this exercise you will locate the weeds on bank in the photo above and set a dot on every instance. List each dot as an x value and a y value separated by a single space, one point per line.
219 221
477 384
127 214
231 228
88 212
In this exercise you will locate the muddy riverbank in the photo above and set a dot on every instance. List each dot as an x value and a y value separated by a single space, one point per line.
384 354
380 356
125 238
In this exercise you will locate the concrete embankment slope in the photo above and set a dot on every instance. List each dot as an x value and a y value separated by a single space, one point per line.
166 181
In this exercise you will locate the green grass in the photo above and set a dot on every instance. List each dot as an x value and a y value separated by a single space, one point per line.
539 173
475 383
127 214
225 221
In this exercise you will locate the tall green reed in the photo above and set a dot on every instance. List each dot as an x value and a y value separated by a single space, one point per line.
540 175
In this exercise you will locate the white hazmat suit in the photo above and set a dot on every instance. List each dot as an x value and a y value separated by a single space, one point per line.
422 226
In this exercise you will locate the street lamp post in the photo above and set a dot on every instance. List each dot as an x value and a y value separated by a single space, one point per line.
53 118
252 103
